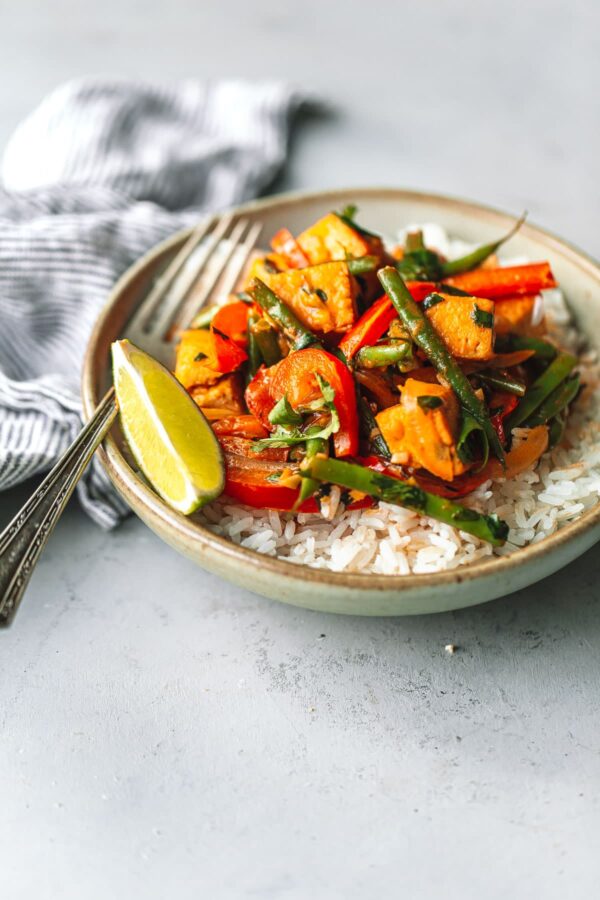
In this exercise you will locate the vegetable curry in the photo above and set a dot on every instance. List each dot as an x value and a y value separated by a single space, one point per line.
397 375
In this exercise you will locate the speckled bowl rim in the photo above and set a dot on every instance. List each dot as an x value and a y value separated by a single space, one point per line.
140 496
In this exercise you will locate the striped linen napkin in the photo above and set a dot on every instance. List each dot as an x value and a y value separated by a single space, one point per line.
96 175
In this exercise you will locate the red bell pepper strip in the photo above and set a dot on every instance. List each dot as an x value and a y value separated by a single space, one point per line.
285 243
228 354
509 281
294 377
232 320
248 482
378 318
369 328
258 395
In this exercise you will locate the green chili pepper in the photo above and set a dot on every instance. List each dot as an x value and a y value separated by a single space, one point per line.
476 257
282 315
556 402
424 334
392 490
541 389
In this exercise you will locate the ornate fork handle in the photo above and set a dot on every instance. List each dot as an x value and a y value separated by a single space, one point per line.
25 537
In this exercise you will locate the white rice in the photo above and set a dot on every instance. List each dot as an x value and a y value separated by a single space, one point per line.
390 540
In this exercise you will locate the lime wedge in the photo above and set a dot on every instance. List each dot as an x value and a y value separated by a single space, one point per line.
172 442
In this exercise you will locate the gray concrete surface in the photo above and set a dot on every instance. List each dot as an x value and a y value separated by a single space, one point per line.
166 735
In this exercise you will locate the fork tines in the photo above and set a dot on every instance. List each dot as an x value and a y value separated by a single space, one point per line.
213 257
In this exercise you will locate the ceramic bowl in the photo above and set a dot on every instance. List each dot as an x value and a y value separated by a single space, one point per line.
385 210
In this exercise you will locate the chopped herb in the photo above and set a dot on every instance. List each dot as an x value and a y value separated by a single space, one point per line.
453 291
482 317
290 436
220 333
320 293
200 356
274 477
270 266
283 413
429 402
432 300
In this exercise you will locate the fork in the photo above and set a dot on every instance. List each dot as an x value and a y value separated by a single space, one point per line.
216 252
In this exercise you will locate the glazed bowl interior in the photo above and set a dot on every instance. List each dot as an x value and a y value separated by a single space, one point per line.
385 211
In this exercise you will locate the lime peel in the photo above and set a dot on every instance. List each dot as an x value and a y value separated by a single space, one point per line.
169 437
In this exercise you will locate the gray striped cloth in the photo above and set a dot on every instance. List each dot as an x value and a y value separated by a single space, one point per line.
96 175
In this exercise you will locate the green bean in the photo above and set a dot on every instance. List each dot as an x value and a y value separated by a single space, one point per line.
401 493
254 354
424 334
556 402
310 485
502 382
511 342
266 338
479 255
541 389
414 241
282 315
383 355
370 429
360 265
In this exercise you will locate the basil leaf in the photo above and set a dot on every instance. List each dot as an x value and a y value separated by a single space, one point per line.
472 441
